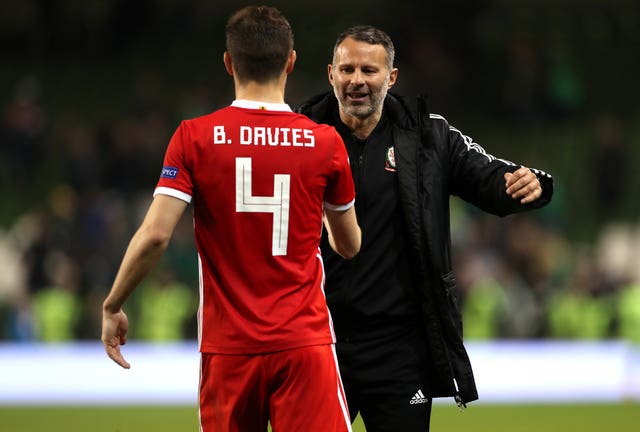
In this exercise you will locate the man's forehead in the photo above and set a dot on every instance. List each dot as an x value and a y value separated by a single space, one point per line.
351 50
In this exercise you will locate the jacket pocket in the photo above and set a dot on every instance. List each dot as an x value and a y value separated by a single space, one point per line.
453 306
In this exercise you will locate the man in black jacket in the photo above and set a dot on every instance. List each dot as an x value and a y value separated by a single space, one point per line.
394 306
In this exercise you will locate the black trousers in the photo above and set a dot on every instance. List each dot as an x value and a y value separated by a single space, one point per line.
386 382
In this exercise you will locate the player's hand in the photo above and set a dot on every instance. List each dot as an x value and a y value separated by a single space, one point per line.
524 185
114 334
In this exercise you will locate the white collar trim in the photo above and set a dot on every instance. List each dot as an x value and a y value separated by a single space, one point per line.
269 106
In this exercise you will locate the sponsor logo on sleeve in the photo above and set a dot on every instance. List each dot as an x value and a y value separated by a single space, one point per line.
169 172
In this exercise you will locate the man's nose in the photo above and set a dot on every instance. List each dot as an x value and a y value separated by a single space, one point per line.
357 77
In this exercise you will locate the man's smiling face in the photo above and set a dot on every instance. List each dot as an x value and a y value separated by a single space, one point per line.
360 77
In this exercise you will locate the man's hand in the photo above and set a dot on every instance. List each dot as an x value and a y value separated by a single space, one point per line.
114 334
523 184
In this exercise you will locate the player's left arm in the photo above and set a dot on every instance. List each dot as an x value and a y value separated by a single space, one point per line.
145 249
344 233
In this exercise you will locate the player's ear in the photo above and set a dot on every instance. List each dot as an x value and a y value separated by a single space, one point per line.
292 61
228 65
330 73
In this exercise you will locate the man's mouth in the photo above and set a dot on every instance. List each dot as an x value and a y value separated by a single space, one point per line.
357 96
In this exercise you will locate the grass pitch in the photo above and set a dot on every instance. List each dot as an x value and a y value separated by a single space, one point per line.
445 418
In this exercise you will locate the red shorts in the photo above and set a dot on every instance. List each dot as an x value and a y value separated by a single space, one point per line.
296 390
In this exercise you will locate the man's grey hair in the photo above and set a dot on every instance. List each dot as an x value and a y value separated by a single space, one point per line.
370 35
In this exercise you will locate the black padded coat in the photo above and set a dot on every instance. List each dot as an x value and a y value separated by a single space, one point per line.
434 161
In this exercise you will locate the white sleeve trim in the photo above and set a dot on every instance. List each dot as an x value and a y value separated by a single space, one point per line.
161 190
340 207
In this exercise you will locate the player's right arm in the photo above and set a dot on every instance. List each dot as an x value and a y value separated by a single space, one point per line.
144 251
344 232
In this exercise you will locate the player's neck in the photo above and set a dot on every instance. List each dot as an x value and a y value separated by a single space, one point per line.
272 92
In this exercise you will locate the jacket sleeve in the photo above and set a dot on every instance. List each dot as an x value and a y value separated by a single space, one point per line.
478 177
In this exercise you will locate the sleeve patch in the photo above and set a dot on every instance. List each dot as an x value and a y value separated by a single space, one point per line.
169 172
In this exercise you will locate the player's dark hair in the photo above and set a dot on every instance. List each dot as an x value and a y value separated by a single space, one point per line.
370 35
259 41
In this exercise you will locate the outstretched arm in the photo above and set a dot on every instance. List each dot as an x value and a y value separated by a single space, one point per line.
344 232
145 249
495 185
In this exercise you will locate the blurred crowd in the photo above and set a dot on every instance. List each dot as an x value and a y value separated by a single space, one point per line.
74 189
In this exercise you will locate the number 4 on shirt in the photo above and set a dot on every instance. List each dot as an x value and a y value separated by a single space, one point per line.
278 204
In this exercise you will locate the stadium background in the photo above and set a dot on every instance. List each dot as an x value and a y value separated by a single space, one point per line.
91 92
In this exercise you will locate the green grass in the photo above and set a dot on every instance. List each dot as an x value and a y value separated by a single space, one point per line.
537 418
445 418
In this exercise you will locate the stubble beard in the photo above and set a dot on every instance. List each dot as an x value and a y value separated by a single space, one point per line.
363 111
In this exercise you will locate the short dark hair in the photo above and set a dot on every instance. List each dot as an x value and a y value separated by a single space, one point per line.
259 40
370 35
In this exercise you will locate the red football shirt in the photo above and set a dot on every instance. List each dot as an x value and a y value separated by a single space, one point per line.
258 176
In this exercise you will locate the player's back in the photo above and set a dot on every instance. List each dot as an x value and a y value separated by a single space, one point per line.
260 178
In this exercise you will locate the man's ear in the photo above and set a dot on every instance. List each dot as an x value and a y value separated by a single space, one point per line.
228 65
291 62
393 76
330 73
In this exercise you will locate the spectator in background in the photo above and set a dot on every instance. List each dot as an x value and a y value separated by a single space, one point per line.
565 87
164 307
21 130
15 314
628 312
582 309
56 308
610 169
522 94
484 308
260 177
395 306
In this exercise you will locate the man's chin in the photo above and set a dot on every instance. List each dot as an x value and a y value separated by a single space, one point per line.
358 111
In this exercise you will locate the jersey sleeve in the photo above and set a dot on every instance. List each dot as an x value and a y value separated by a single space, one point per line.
340 193
175 177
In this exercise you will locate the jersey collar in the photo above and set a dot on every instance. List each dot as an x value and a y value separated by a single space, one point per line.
269 106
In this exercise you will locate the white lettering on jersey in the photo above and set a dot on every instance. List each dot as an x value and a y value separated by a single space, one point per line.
311 139
284 137
278 204
245 135
219 136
